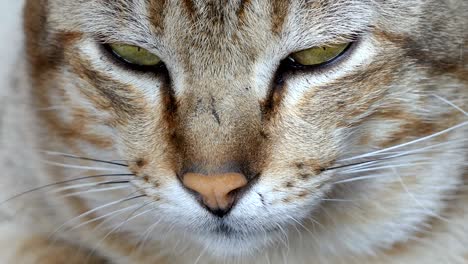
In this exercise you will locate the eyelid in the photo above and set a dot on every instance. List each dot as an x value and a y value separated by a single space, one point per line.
326 58
134 54
107 50
349 50
289 68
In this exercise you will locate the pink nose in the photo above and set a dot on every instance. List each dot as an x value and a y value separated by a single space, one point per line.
216 190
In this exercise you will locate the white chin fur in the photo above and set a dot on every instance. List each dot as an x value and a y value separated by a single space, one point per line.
237 246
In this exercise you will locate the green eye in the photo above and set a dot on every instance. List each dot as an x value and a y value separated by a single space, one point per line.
135 55
319 55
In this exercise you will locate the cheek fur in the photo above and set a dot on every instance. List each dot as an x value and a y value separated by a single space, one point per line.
363 159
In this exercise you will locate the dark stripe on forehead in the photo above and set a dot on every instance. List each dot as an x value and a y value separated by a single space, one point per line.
244 4
279 9
189 7
123 10
157 14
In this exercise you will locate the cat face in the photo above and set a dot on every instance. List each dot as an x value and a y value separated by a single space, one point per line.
228 97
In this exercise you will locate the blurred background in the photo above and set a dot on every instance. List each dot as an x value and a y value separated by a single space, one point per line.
10 36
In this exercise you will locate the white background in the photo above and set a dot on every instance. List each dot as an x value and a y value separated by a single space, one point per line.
10 37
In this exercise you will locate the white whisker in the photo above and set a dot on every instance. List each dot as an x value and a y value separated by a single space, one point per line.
286 238
361 178
424 149
403 185
69 166
65 155
95 210
338 200
200 256
408 143
451 104
83 185
126 221
116 212
145 235
113 230
50 185
96 191
50 108
387 158
295 227
385 167
138 207
380 162
301 225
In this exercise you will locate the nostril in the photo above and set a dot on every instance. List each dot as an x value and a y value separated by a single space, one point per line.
220 212
217 191
235 191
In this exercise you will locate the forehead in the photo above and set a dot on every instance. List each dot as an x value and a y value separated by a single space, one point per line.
195 17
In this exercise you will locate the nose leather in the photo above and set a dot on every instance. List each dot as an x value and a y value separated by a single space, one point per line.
215 190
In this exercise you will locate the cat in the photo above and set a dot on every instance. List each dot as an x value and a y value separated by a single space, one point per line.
246 131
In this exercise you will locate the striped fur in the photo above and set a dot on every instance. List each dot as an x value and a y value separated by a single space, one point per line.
225 103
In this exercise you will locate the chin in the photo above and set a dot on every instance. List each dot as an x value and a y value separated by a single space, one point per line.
224 240
235 245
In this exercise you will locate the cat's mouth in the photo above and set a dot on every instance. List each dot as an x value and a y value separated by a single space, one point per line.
228 231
